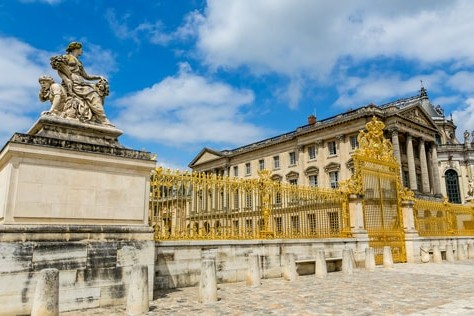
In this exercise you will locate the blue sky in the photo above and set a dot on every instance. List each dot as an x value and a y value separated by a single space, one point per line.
224 73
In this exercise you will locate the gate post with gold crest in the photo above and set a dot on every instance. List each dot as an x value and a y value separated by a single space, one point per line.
376 179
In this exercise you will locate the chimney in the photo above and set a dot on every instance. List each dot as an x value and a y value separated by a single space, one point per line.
311 119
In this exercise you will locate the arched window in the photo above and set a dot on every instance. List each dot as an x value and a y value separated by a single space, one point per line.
452 186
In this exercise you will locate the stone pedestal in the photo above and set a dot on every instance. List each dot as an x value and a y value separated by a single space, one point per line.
59 181
74 199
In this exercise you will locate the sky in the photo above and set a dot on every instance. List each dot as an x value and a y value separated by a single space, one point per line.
224 73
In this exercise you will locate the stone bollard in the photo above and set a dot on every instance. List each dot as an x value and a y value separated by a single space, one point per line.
137 297
347 266
370 259
470 250
461 252
290 267
425 254
253 272
387 257
437 255
208 279
320 267
449 253
46 299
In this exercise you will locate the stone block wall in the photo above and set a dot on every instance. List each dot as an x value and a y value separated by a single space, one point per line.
178 263
94 265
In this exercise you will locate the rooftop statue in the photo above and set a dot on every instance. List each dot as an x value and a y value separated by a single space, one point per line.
80 96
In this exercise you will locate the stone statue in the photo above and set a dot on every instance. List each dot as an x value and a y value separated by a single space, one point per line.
466 137
53 92
470 188
84 99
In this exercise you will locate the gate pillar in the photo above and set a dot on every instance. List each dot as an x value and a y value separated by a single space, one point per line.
411 234
356 215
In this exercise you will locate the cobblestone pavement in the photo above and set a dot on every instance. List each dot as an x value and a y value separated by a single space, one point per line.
407 289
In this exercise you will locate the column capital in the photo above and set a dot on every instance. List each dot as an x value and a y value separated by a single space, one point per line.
409 137
394 130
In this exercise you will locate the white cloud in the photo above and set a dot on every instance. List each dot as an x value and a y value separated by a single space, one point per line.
308 39
464 118
462 81
21 66
310 36
154 32
186 109
358 91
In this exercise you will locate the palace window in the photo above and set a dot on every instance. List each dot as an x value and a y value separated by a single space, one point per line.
293 181
278 198
354 142
332 148
334 179
261 164
452 186
292 156
295 224
278 225
248 199
276 162
236 199
236 171
312 223
247 169
333 222
311 152
313 180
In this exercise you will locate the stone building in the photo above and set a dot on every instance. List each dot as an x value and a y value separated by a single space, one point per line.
433 162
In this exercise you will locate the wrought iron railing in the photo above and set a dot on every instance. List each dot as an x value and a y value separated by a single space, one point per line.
434 218
201 206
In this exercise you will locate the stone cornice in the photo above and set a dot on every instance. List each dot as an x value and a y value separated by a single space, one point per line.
34 140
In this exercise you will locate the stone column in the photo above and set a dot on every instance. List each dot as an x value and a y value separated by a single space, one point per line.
208 279
425 182
370 259
387 257
290 267
436 177
253 272
320 267
301 165
137 298
46 299
347 264
411 164
396 150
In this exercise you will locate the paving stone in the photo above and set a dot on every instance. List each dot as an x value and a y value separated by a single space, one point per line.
408 289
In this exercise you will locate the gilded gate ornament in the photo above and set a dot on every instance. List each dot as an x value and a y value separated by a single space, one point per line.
372 143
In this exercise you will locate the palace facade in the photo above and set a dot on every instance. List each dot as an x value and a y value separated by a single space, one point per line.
433 162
